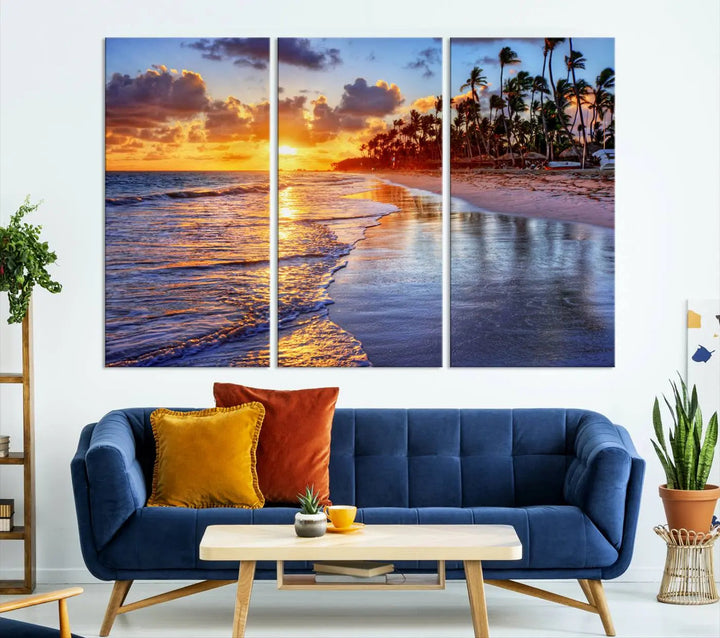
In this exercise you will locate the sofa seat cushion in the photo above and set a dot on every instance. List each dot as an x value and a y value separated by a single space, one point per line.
552 536
169 537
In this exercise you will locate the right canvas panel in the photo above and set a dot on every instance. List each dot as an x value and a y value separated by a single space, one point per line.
533 202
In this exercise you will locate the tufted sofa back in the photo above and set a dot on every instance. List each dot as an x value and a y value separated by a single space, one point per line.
434 457
452 457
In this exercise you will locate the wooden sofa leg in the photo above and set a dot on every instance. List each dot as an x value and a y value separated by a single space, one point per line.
600 602
593 589
586 590
117 598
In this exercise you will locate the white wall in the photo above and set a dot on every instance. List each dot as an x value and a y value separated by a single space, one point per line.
668 221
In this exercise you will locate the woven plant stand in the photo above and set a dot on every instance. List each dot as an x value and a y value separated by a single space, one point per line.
688 576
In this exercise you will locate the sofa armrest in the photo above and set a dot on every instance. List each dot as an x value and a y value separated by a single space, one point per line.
597 478
115 479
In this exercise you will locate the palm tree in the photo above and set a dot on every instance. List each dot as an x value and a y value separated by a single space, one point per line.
476 79
438 121
548 147
496 103
516 90
577 61
550 44
427 128
462 120
600 95
584 90
563 91
509 57
539 86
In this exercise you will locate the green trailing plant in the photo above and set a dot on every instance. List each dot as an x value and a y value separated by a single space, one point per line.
688 461
310 501
23 261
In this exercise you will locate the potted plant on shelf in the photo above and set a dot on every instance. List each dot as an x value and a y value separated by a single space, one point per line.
23 261
311 520
688 499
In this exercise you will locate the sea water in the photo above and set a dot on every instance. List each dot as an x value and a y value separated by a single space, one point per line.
321 220
186 268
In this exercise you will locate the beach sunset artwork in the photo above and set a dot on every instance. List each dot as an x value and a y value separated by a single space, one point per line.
360 253
186 202
532 202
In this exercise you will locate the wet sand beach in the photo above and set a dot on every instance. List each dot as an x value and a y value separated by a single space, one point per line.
533 286
530 292
575 196
389 296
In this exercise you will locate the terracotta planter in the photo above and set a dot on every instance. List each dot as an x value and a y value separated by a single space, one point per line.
690 509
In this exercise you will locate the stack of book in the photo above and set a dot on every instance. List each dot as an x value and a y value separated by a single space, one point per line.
4 445
7 509
352 571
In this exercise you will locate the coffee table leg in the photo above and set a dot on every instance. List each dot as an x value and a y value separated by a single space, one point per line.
242 601
476 594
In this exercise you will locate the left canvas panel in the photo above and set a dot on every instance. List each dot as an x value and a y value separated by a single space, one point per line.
187 235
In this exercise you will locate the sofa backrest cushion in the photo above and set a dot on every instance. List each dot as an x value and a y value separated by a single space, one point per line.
435 457
451 457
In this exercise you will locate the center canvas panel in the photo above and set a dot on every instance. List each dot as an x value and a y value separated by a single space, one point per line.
186 202
360 272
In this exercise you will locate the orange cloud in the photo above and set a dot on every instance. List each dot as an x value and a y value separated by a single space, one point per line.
174 112
424 104
463 97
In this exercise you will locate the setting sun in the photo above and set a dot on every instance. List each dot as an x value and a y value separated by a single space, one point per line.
287 150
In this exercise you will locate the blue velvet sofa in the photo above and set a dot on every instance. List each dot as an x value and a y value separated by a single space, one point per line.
569 481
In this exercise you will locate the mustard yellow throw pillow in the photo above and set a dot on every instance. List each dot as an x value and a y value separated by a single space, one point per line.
207 458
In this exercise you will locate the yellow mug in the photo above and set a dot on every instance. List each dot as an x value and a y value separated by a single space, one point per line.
341 515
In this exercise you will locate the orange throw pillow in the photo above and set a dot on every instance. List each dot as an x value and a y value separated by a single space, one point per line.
294 446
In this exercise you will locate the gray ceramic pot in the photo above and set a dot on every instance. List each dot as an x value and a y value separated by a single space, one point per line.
310 525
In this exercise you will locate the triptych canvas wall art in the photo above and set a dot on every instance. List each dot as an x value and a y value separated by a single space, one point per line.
359 202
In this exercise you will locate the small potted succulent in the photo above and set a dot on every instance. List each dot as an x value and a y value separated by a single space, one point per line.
311 520
688 498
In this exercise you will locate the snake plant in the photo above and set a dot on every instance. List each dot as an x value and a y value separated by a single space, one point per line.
687 464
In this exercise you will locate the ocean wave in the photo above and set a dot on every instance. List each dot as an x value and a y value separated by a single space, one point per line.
188 194
178 353
200 265
371 217
317 179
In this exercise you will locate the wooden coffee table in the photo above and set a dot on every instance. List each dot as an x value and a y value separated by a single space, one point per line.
468 543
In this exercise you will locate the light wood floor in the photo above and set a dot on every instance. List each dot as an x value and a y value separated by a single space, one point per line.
413 614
